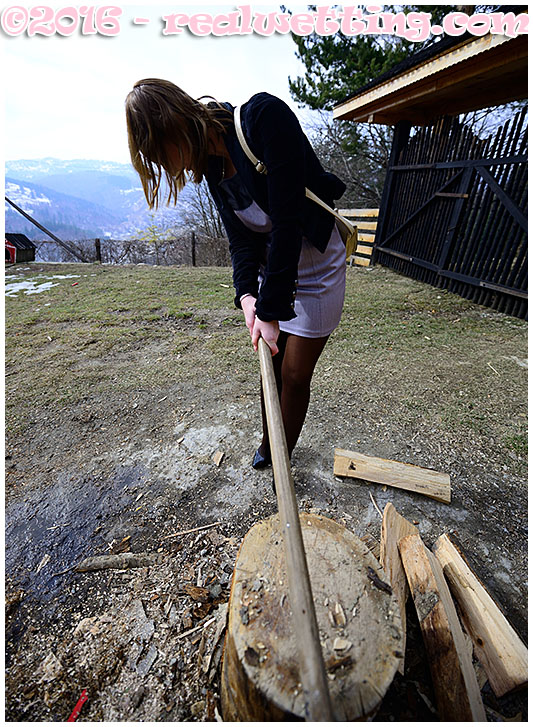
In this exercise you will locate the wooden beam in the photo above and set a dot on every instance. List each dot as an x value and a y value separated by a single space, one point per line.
396 474
371 212
497 646
304 622
364 250
454 680
363 261
394 527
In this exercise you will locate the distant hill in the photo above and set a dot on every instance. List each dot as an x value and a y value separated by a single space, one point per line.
79 199
66 216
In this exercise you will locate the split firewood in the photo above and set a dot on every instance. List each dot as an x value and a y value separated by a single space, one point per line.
394 527
497 646
396 474
122 560
454 680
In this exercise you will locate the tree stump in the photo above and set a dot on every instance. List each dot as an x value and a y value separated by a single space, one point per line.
358 619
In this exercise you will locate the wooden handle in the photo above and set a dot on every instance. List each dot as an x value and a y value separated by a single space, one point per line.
312 671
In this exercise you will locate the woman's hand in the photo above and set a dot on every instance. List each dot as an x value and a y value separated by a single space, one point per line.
248 308
268 331
259 329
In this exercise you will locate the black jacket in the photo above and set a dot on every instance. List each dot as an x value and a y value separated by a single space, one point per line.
276 138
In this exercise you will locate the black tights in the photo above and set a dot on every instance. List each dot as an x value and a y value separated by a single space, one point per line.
293 368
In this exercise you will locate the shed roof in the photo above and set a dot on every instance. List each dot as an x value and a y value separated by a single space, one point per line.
449 77
21 242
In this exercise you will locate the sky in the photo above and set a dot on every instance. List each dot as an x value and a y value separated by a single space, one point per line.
64 96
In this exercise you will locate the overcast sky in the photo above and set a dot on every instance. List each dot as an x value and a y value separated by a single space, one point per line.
64 96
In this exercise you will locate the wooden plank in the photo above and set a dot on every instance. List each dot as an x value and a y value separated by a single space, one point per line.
394 527
360 212
364 237
304 623
363 261
368 225
396 474
497 646
364 250
261 675
454 679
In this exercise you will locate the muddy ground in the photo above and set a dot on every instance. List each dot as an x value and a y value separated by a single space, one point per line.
121 385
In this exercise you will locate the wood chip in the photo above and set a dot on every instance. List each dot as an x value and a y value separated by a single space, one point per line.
123 546
193 530
340 618
218 457
43 562
197 593
197 628
341 644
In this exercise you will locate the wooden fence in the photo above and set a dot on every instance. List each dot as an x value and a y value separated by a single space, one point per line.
454 211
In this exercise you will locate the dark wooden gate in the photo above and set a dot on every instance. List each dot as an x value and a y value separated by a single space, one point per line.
454 211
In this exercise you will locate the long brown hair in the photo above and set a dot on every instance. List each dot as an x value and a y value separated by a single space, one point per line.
159 113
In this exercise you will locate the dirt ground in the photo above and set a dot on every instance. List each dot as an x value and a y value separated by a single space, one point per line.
121 385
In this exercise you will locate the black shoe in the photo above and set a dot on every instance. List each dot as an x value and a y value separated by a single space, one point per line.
259 462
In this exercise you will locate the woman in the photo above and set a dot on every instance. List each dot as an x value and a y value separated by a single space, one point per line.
288 258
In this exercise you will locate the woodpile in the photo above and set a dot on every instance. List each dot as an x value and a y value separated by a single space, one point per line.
438 579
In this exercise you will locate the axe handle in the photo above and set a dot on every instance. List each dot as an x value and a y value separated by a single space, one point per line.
305 627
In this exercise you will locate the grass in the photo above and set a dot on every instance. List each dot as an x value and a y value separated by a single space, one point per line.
422 357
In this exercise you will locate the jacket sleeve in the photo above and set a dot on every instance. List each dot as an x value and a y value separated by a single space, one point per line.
278 140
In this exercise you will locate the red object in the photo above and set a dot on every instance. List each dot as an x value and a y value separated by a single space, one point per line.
11 253
73 284
77 709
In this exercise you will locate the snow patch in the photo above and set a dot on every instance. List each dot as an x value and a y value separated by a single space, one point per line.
30 287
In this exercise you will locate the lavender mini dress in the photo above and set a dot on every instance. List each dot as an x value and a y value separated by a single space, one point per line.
321 280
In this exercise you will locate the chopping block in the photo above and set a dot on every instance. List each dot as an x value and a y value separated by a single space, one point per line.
358 620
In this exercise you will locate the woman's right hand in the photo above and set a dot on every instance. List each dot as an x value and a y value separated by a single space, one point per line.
268 331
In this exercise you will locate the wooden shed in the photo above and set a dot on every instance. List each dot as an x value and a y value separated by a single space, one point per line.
19 249
453 209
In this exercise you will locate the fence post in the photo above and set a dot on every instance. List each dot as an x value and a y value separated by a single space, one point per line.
98 250
400 139
193 248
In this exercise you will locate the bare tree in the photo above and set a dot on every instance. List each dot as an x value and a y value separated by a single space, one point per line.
359 157
202 214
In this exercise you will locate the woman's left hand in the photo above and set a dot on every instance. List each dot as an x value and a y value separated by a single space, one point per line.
268 331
